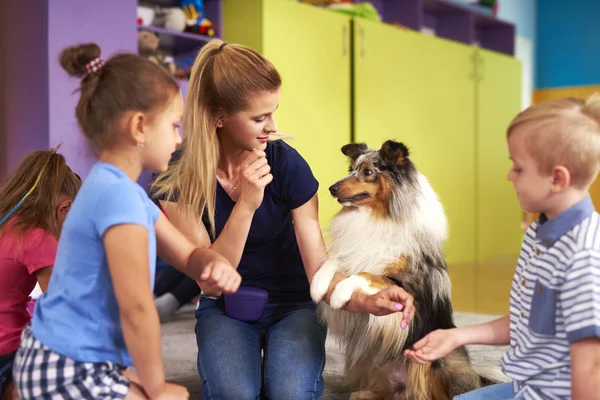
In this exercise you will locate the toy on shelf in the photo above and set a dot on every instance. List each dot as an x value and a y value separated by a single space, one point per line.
364 10
148 47
489 7
195 18
172 18
184 68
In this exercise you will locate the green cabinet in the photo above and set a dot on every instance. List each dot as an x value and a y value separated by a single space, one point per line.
450 103
419 90
310 48
499 215
498 102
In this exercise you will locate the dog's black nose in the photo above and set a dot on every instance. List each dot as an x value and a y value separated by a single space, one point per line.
334 189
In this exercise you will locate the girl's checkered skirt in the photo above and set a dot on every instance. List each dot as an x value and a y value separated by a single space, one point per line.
40 373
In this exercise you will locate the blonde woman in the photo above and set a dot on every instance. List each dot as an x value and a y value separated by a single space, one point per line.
254 200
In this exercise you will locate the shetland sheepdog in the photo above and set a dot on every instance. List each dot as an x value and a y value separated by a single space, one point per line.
390 231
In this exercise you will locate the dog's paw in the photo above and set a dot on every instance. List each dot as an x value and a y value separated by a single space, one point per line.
343 292
321 280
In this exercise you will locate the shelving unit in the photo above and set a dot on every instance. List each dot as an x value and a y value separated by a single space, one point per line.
183 45
213 8
178 43
450 20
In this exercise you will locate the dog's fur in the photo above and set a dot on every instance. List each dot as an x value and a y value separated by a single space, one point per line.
390 231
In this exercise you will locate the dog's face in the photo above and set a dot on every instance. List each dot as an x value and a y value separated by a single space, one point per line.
374 175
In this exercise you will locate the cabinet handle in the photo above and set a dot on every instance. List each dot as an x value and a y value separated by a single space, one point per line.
481 69
473 73
363 40
345 40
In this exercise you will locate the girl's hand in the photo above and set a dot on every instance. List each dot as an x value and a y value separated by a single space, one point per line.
220 275
210 289
391 300
254 176
434 346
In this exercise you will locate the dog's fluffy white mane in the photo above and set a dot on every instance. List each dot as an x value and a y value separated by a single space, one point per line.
357 237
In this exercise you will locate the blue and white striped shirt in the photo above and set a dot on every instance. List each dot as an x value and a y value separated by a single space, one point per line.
554 301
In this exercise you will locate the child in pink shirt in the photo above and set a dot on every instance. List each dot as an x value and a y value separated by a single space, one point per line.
33 205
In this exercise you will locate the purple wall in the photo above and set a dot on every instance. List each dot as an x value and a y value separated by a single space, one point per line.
112 25
37 103
37 97
24 81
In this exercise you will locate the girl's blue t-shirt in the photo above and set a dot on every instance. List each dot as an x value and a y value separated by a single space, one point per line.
271 258
79 316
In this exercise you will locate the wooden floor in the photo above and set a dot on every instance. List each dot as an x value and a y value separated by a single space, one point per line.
484 287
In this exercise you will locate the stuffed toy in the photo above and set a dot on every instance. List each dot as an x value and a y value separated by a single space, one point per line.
148 45
148 48
170 18
184 68
195 18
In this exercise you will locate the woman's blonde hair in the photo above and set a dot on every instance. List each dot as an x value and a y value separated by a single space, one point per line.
565 132
223 78
32 192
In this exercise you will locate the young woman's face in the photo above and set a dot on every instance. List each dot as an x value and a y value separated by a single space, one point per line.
251 129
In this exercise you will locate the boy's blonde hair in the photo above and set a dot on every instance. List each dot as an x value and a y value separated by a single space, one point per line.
223 79
563 132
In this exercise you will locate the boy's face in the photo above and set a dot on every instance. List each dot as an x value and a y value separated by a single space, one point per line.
533 189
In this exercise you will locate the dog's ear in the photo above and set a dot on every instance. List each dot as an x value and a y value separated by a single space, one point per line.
353 150
394 152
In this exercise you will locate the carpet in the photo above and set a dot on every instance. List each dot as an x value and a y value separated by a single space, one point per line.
179 353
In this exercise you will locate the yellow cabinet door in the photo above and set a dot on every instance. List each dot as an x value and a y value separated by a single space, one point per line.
310 47
420 90
499 234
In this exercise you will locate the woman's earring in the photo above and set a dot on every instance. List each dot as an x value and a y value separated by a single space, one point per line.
140 145
219 124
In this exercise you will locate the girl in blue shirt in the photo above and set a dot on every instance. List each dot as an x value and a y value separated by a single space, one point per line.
98 316
254 200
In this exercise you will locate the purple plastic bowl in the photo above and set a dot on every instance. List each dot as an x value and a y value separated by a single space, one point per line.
247 304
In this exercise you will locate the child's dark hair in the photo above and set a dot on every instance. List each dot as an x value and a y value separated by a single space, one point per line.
38 182
125 82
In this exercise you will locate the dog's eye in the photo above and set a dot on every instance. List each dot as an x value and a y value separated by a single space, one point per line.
368 172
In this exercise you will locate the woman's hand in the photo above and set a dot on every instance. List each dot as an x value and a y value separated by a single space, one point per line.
388 301
254 177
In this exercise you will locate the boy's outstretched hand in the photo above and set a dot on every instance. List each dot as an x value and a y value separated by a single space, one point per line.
391 300
434 346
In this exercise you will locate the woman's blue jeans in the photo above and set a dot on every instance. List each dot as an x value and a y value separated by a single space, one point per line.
229 353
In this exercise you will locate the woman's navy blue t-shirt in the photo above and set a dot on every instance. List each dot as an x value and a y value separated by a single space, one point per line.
271 258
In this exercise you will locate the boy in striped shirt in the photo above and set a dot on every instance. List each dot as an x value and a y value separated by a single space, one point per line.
554 324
